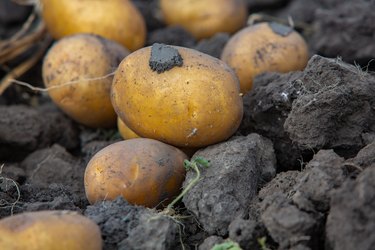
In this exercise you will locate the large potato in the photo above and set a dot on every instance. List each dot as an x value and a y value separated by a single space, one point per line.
117 20
49 230
264 47
191 105
75 59
144 171
204 18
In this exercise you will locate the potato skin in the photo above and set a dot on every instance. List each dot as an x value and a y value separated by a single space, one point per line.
204 18
258 49
117 20
194 105
49 230
81 57
125 132
144 171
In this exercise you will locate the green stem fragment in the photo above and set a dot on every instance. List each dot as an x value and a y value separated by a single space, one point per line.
193 164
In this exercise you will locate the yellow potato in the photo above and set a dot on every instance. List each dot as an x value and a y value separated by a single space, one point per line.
204 18
192 105
144 171
125 132
117 20
264 47
75 59
49 230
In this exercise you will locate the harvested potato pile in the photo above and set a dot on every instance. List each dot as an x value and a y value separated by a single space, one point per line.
241 124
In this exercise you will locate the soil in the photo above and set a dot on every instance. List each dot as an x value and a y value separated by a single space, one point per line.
298 174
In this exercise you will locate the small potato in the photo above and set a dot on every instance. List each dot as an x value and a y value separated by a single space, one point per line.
125 132
204 18
264 47
117 20
177 95
49 230
75 59
144 171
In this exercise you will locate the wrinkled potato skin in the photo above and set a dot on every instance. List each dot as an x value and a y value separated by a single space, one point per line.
144 171
194 105
204 18
81 57
49 230
258 49
125 132
117 20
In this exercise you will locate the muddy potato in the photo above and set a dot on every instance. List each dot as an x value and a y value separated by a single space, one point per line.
263 48
144 171
49 230
204 18
117 20
195 102
74 59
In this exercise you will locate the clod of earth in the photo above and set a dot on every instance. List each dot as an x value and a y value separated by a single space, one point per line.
164 58
351 220
125 226
24 129
237 168
328 105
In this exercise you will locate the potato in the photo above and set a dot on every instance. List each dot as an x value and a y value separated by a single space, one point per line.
75 59
125 132
204 18
144 171
117 20
264 47
49 230
190 100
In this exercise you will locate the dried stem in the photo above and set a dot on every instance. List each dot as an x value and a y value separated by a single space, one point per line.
25 66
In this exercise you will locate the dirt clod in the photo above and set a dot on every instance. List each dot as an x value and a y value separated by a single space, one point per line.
323 174
125 226
24 129
288 225
173 35
164 58
237 168
54 165
246 233
282 183
333 108
293 204
266 108
355 43
213 46
328 105
351 221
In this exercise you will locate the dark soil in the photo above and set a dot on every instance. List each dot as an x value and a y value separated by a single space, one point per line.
298 174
